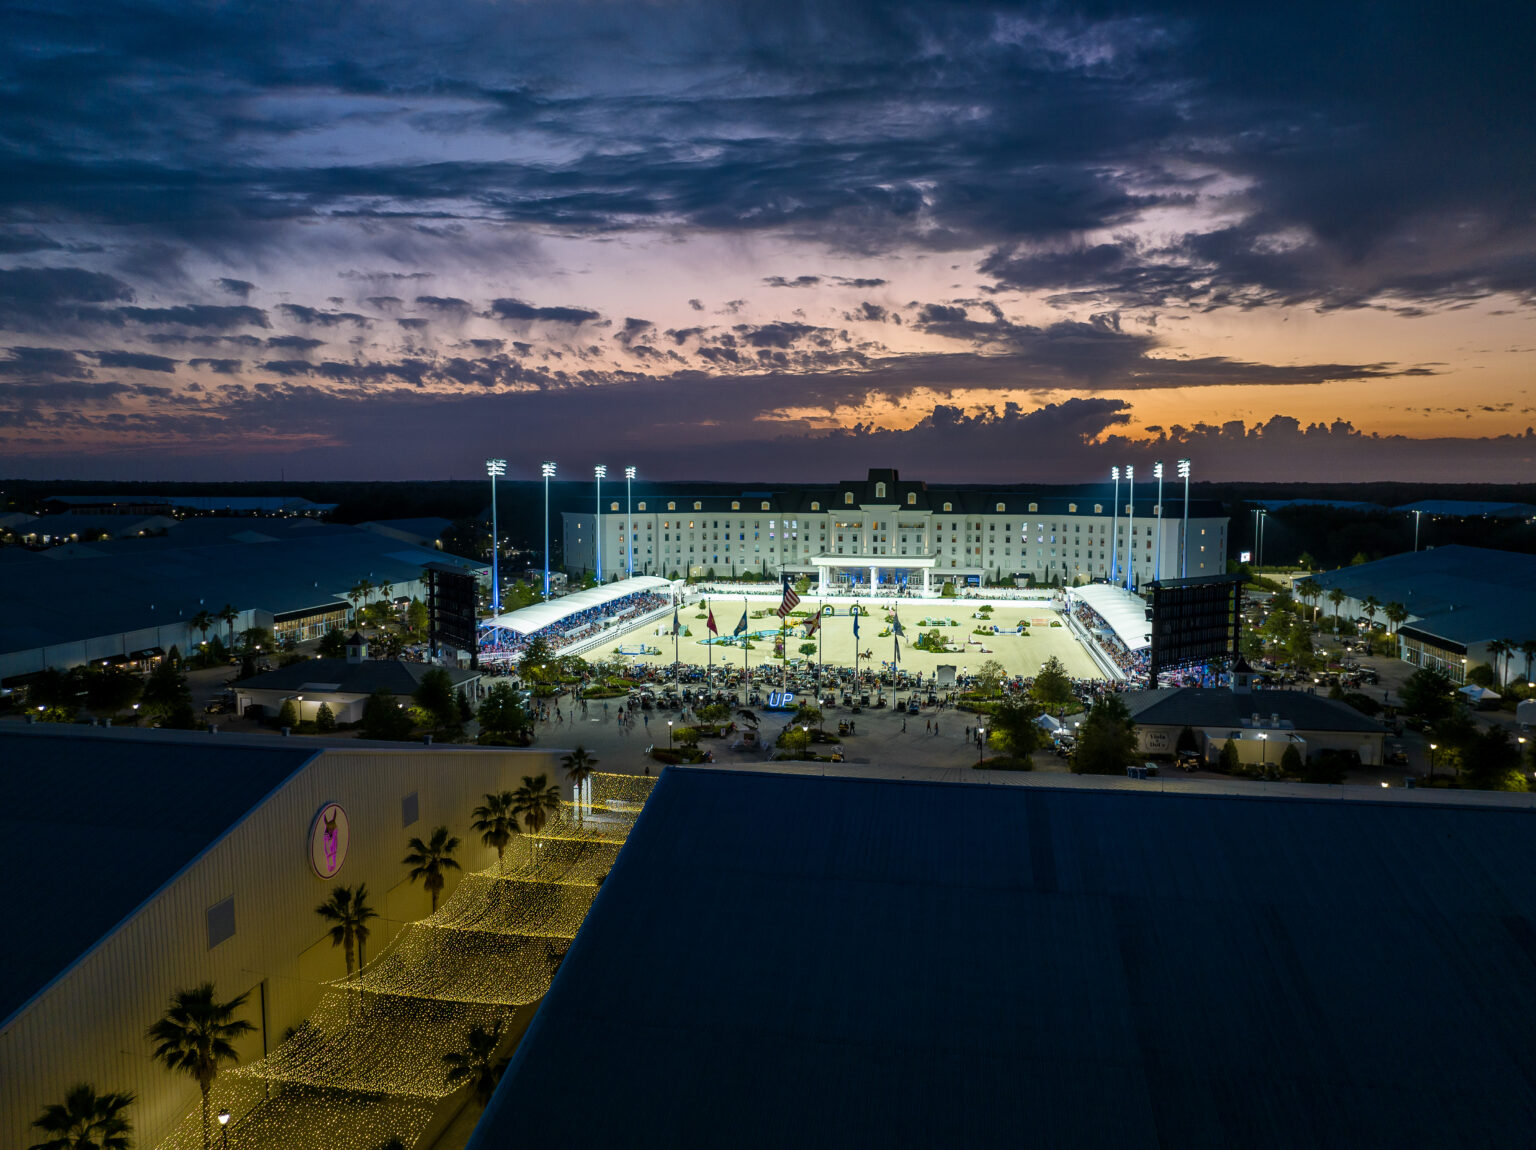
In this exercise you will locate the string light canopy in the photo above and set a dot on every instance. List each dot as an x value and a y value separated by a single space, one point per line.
367 1065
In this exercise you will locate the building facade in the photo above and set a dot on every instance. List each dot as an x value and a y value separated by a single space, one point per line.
887 531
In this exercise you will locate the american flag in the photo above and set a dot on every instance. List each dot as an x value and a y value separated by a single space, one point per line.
790 599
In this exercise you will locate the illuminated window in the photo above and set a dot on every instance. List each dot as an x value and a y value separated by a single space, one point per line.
815 506
671 506
641 505
949 507
698 507
879 491
613 506
1098 508
1072 507
1032 507
848 498
1001 508
735 505
765 505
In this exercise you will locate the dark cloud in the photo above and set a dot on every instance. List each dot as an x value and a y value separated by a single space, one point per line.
294 342
189 315
43 363
443 303
139 361
385 302
413 323
241 288
217 366
797 282
18 242
517 310
317 318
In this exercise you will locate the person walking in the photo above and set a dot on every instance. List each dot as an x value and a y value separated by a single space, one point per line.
927 726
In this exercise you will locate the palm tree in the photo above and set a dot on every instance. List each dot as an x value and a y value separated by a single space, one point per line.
348 912
86 1121
477 1063
496 820
194 1036
1308 591
203 621
578 769
537 799
1528 649
228 614
1336 596
1499 648
431 859
357 594
1368 607
1396 614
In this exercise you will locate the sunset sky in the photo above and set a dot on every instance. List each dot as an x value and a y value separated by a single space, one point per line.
991 242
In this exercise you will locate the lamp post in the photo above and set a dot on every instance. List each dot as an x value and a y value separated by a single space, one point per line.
629 521
1157 562
597 523
1130 531
805 742
1114 530
494 468
1416 514
1264 754
669 734
1432 748
981 745
224 1128
1184 535
1258 559
547 470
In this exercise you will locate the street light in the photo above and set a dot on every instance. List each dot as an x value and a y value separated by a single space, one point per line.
1157 562
805 741
1130 531
1432 748
669 734
224 1127
1264 754
629 522
1259 556
494 468
1416 514
597 524
981 744
1184 538
547 470
1114 530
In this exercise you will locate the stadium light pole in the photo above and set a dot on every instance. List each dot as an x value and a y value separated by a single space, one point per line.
547 470
1157 562
1114 530
1416 515
1184 535
494 468
629 521
1130 531
597 525
1258 558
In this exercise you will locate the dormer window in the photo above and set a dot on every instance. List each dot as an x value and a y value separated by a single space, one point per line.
698 507
1001 508
911 499
641 505
1072 507
1034 507
1098 509
879 491
614 506
815 505
765 505
735 505
671 506
949 507
848 498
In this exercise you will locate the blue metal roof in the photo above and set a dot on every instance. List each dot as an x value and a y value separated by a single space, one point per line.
1470 508
789 961
92 825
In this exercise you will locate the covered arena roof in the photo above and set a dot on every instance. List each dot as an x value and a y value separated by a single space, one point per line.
527 620
1125 612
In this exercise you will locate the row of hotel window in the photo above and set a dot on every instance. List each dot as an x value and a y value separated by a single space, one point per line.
766 505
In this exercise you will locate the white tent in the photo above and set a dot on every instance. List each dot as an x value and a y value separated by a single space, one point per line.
1126 613
1049 722
1476 694
527 620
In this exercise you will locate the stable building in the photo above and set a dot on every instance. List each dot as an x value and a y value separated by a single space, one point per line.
160 860
886 532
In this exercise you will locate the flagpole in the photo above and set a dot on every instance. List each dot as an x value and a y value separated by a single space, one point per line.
820 628
707 643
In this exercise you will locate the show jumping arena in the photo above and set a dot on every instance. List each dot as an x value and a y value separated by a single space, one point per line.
1020 654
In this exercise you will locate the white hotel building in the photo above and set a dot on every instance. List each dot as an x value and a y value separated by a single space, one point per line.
886 531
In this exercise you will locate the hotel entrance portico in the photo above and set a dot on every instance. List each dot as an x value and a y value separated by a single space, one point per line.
872 574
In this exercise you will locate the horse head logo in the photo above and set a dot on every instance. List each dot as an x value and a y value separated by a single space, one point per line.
330 838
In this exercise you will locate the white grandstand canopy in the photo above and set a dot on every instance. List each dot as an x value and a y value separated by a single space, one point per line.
1125 613
527 620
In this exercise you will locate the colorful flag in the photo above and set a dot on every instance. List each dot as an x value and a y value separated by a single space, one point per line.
676 627
741 627
896 632
855 622
710 623
811 624
790 598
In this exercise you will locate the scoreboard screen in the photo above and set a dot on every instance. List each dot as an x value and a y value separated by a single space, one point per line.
451 603
1194 621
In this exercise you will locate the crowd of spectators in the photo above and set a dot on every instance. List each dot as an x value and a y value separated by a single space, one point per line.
1132 664
499 643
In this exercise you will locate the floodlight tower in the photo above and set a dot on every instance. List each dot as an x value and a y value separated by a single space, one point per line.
495 468
1130 531
1157 562
629 521
1114 530
597 525
1184 540
547 470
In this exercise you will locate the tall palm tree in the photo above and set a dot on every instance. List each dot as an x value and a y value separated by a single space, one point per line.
1528 649
477 1062
203 621
1368 607
195 1036
537 799
578 769
229 615
1307 591
1336 596
430 860
86 1121
1499 648
348 912
1396 614
496 820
